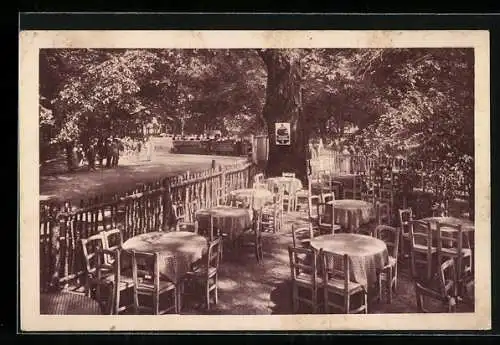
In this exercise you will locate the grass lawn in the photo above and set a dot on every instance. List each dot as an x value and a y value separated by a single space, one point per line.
83 184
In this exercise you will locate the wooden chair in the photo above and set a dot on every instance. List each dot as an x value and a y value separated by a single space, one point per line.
442 287
206 274
389 274
304 277
353 192
450 246
326 220
288 174
253 238
405 217
149 284
90 248
302 197
272 214
187 226
312 207
422 249
117 282
336 281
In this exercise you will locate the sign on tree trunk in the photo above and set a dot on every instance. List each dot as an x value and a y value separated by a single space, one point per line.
282 133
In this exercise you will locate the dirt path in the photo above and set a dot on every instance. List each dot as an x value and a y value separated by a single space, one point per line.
86 184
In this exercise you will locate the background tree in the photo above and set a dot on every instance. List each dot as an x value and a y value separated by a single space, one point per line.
283 104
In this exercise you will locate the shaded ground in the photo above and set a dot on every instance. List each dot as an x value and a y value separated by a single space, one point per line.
84 184
246 287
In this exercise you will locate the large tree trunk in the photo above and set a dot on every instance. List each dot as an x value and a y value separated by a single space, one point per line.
284 104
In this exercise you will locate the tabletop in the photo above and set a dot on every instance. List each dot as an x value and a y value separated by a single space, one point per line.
177 250
367 255
350 213
293 184
259 196
350 204
66 303
467 225
230 220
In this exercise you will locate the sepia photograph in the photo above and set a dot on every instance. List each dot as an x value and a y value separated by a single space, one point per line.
266 180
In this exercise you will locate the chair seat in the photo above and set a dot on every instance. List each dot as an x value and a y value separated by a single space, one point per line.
336 227
147 287
124 283
338 285
423 249
305 279
302 193
466 252
202 272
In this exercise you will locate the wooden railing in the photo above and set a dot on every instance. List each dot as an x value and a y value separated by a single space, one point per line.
144 209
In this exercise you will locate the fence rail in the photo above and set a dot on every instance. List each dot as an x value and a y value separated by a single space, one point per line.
145 209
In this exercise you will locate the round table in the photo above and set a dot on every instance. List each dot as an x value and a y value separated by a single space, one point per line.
467 226
177 250
367 255
291 184
231 221
362 212
66 303
260 196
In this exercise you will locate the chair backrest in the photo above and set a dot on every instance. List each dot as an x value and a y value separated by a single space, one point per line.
390 235
187 226
299 263
326 197
405 217
301 233
213 254
113 239
288 174
258 178
335 266
383 212
179 212
420 233
448 278
145 269
90 247
449 236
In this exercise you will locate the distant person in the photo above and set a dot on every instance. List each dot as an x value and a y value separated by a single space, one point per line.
116 147
101 151
109 152
149 149
91 154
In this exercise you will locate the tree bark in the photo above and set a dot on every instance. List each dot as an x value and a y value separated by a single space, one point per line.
284 104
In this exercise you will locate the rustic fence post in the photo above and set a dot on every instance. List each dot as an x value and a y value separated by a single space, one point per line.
55 248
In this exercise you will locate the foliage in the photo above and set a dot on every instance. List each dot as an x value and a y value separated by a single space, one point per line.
417 102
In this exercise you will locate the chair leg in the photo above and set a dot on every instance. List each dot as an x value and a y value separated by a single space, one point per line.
380 289
347 304
207 290
325 299
216 290
366 302
314 301
294 298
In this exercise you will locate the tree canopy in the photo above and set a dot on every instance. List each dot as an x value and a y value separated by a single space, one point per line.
415 101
